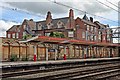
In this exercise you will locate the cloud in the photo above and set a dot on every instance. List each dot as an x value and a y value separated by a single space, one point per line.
39 7
5 26
43 7
95 8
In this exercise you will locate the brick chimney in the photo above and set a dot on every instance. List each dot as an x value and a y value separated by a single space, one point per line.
91 19
71 14
71 20
49 17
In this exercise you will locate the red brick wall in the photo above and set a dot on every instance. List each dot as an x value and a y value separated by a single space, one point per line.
81 29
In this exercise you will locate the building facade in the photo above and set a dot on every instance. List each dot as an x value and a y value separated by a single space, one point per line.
80 29
72 38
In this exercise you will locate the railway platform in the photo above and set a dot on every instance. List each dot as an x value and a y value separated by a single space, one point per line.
30 63
61 69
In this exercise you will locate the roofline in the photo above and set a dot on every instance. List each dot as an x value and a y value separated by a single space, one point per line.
12 27
33 38
64 40
52 19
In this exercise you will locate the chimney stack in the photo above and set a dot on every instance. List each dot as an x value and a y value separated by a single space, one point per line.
91 19
49 17
71 14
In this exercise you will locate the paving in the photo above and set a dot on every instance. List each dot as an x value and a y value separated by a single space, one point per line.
11 64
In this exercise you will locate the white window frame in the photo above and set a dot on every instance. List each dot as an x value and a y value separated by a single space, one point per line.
9 35
13 35
88 27
92 37
95 38
47 34
95 29
39 27
99 35
17 35
70 34
92 28
83 34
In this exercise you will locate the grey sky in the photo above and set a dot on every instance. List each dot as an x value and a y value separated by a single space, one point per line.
42 7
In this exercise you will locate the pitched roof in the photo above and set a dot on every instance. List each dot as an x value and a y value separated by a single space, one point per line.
31 24
85 17
88 22
64 20
14 28
100 24
54 21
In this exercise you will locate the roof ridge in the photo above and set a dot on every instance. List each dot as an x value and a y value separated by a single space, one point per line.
52 19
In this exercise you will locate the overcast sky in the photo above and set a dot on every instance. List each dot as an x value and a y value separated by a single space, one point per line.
17 10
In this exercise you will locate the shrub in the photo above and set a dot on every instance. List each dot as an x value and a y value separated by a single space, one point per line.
57 34
13 57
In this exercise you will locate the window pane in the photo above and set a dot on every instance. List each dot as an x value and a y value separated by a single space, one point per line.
16 35
13 35
9 35
70 34
83 34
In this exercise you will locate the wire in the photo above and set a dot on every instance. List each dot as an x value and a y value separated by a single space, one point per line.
81 11
107 6
113 4
21 11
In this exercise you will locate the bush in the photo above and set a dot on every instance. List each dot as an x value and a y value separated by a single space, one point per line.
13 57
57 34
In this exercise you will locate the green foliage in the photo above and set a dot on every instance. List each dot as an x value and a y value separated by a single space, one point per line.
13 57
27 36
57 34
52 34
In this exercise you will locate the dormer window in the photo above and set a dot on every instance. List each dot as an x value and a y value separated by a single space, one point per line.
49 25
39 26
60 24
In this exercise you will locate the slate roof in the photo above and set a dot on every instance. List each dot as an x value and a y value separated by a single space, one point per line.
85 17
88 22
31 24
14 28
100 25
54 21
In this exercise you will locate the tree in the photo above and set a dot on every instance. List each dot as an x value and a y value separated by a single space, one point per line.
57 34
27 36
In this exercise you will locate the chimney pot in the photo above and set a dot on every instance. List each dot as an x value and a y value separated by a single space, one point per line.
91 19
49 17
71 14
31 20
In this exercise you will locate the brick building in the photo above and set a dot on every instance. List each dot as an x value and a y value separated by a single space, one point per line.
80 29
83 38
